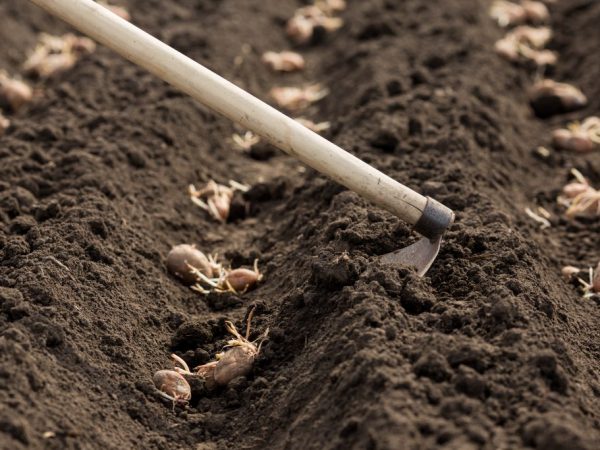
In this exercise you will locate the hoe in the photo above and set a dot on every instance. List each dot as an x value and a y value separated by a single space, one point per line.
428 217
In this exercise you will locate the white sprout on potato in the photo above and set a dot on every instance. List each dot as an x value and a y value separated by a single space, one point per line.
216 198
245 141
578 137
235 281
295 98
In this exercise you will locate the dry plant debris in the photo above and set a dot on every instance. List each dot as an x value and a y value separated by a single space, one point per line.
508 13
580 199
216 198
283 61
56 54
183 256
581 137
4 124
301 27
118 10
13 92
526 43
316 127
235 361
172 386
549 97
245 141
235 281
295 98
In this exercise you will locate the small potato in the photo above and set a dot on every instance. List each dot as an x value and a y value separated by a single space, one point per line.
575 141
181 255
569 271
300 29
172 385
283 61
240 280
536 12
14 93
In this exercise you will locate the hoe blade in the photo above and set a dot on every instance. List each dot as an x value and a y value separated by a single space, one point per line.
419 255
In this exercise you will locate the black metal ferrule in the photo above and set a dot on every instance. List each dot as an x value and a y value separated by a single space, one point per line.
435 220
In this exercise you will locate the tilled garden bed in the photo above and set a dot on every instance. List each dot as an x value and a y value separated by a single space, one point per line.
492 349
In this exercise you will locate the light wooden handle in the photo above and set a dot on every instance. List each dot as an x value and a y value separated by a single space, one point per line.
238 105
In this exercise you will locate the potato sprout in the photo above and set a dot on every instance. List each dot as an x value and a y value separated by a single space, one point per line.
294 98
283 61
236 281
14 93
578 137
216 198
55 54
245 141
236 361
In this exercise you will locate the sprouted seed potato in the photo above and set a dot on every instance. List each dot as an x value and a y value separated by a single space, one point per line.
183 256
283 61
578 137
295 98
13 92
235 361
172 386
235 281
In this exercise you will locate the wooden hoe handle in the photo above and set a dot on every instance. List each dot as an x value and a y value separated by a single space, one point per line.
236 104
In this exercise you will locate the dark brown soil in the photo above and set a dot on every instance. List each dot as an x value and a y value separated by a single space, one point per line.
492 349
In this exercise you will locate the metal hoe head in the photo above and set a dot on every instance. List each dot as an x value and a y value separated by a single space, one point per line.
433 223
